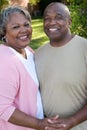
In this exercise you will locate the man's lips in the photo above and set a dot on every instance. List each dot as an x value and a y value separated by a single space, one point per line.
54 29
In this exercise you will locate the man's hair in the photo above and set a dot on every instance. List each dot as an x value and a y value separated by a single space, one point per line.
66 10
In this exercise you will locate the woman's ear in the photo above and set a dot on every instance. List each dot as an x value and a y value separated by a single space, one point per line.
70 21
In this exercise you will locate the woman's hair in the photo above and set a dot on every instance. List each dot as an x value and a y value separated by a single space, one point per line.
5 16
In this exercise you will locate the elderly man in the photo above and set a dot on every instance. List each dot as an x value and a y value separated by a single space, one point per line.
62 70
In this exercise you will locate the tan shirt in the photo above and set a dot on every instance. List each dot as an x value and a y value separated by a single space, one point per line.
62 72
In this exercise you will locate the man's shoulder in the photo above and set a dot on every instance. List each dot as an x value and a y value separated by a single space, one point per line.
42 47
81 38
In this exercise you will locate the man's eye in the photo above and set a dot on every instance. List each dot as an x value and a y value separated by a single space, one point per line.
59 17
47 19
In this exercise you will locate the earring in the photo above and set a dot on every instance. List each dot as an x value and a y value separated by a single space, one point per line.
4 39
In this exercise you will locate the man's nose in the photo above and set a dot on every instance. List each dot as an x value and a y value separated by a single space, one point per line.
52 21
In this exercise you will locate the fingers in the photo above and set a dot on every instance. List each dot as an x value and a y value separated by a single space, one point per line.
50 128
53 119
50 121
56 117
56 127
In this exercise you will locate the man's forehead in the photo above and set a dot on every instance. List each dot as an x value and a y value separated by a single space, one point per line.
55 8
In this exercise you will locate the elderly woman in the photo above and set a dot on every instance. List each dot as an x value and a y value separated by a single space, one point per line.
20 101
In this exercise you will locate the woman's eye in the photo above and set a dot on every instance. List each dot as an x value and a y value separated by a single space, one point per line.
15 27
27 25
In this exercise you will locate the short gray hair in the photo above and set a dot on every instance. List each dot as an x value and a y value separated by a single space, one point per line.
5 15
64 8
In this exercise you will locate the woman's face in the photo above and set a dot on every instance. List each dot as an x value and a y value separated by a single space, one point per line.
18 31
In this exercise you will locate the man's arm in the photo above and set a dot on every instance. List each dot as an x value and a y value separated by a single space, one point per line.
68 123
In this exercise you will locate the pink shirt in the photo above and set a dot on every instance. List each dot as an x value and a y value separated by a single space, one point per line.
17 89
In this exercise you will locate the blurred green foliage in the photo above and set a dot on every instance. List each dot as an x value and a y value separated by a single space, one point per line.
3 3
34 2
38 36
79 19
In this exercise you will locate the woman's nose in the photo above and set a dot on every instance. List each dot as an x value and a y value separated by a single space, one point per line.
22 29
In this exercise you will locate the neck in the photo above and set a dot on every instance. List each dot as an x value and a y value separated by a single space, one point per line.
62 41
22 52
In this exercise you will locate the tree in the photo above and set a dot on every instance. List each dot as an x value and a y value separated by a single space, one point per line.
79 16
44 3
83 17
34 2
3 3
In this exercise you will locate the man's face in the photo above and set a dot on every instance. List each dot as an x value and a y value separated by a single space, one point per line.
56 22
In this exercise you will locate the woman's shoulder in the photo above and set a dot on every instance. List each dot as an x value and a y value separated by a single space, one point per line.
6 55
4 49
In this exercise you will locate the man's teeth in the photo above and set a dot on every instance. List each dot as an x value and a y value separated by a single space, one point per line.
53 29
